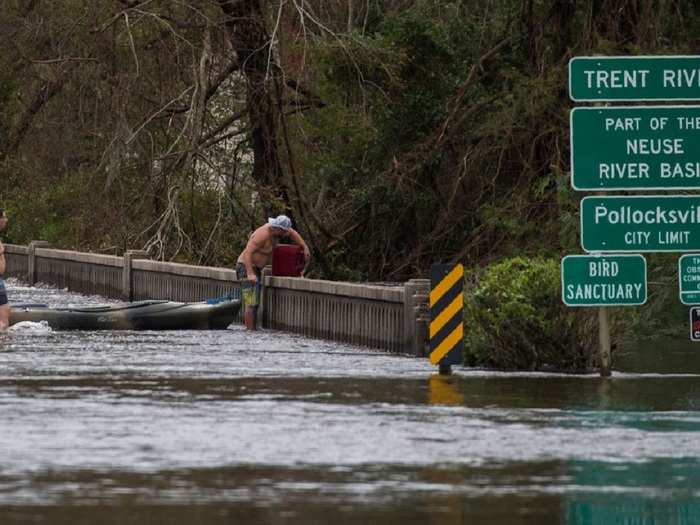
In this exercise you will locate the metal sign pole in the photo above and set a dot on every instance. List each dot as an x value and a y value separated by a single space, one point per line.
604 340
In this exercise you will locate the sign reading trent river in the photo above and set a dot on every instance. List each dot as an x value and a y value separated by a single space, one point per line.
634 78
603 280
654 223
650 147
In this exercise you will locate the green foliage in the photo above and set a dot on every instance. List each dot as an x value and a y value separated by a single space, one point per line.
663 315
52 214
515 319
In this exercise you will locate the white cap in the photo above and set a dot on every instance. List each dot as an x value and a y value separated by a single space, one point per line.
281 221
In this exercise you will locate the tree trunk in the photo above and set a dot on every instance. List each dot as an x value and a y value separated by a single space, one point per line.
250 39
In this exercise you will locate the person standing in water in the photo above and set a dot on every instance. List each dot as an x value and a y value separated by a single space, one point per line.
4 304
258 254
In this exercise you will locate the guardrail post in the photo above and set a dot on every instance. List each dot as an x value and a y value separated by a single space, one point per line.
261 322
416 316
127 274
409 321
31 259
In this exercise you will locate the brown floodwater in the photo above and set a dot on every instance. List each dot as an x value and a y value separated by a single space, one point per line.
223 427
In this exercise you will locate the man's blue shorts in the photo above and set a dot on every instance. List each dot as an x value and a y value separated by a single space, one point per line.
3 293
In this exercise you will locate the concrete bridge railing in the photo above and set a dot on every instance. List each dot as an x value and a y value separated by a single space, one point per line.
392 318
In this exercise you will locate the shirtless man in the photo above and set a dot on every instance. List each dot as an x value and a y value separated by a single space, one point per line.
258 254
4 305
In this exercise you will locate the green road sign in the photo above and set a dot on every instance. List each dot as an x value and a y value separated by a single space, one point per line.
642 148
689 278
654 223
603 280
634 78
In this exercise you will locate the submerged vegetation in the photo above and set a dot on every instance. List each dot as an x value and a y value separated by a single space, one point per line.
515 319
396 133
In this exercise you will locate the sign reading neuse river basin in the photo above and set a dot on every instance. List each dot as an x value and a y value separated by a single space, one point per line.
654 223
603 280
635 78
649 147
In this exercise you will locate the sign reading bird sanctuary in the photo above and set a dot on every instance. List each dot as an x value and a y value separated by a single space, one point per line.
643 148
654 223
603 280
634 78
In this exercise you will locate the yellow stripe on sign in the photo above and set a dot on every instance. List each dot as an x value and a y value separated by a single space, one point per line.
448 282
447 314
448 344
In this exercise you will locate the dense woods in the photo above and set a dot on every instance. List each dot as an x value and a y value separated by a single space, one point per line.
396 133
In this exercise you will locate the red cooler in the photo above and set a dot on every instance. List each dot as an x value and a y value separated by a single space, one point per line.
288 260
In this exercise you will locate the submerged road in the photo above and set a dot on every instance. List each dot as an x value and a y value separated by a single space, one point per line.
229 427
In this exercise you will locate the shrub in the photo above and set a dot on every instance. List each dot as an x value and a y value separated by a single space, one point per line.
515 319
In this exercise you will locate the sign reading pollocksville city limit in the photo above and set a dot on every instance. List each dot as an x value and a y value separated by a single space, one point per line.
641 148
634 78
653 223
603 280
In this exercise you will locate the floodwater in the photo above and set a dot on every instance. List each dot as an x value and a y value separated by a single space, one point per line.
227 427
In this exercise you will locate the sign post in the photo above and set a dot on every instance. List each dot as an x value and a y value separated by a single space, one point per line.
604 280
604 342
633 148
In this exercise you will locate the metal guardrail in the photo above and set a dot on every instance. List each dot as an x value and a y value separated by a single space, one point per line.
386 317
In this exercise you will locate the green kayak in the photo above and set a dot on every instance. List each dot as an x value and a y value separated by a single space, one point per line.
140 315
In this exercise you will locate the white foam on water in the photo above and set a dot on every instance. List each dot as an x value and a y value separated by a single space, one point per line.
41 327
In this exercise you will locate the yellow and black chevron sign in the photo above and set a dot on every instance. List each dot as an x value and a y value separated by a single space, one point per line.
446 305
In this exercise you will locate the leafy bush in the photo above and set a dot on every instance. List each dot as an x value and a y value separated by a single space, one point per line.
515 319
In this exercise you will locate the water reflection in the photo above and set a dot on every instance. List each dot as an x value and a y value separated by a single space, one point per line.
444 390
634 493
